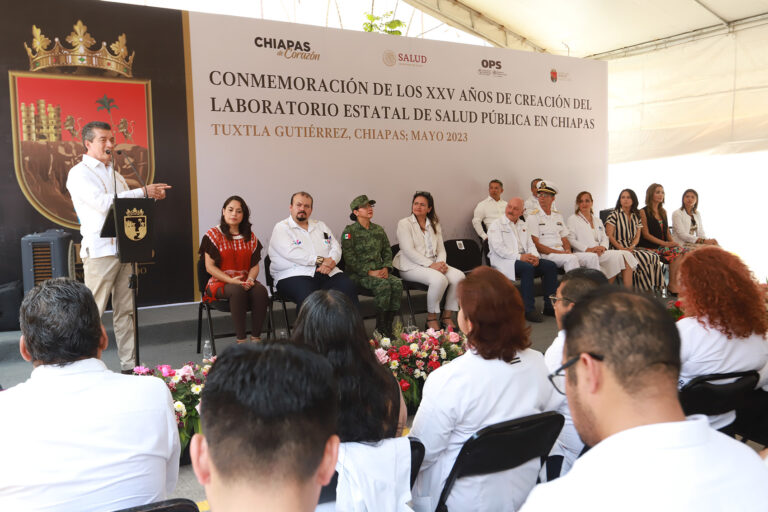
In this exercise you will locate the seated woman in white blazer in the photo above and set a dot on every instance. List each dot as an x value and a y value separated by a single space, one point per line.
422 259
587 234
687 229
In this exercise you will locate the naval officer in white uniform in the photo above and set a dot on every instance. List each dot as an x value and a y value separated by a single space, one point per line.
550 234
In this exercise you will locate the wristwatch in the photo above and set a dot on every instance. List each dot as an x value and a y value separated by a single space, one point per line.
319 261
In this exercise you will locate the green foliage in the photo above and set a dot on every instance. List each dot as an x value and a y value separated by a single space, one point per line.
383 24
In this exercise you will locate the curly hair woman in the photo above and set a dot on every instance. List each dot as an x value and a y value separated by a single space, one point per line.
725 318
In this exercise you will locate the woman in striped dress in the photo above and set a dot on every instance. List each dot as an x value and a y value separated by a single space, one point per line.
623 228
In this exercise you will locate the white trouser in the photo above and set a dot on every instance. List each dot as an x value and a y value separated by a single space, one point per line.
437 283
571 261
612 262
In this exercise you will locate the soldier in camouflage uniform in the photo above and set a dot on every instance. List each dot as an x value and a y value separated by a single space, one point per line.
368 260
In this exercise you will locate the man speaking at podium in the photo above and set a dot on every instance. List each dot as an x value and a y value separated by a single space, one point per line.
92 184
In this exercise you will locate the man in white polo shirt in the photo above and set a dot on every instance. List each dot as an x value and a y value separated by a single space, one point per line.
76 436
304 253
489 209
620 368
91 183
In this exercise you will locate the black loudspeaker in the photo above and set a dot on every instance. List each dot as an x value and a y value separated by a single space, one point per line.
47 255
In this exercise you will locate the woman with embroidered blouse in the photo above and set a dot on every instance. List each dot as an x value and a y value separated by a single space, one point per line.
232 254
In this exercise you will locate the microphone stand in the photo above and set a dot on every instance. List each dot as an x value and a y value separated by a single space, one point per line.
133 281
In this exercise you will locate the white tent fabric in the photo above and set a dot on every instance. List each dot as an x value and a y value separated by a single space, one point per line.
707 95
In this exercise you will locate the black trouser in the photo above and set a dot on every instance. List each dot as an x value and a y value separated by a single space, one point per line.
298 288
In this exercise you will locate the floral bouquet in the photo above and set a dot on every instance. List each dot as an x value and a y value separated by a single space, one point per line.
675 308
185 384
413 356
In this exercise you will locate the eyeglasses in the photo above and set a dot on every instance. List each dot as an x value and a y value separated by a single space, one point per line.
554 298
557 378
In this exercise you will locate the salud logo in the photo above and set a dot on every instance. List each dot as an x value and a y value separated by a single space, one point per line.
389 58
553 75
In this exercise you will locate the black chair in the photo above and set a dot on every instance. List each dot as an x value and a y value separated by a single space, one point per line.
503 446
274 295
703 395
219 305
417 457
604 214
408 286
463 254
174 505
328 492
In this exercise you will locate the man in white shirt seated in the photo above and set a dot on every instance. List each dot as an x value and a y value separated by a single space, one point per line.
620 368
304 254
550 234
573 287
489 209
76 436
269 415
513 253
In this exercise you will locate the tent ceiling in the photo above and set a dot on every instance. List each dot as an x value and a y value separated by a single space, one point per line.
587 27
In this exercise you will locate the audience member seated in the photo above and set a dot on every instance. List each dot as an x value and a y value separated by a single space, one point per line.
656 235
624 228
587 234
725 320
550 235
268 415
687 227
304 255
489 209
619 371
513 253
422 259
76 436
232 254
575 285
368 260
498 379
371 406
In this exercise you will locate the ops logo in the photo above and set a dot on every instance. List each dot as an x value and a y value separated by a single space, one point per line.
491 64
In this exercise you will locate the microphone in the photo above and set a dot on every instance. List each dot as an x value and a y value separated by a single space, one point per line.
114 171
135 172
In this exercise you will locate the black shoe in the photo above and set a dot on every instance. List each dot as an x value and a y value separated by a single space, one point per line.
126 372
534 316
549 312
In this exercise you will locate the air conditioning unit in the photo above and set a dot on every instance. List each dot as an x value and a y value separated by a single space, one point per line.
47 255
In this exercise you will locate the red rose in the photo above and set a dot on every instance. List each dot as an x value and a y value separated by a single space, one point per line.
393 355
405 350
433 342
404 385
681 317
434 365
678 303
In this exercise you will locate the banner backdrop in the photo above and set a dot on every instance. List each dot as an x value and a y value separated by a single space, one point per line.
282 107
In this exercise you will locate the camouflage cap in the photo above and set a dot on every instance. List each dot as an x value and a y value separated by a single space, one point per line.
361 201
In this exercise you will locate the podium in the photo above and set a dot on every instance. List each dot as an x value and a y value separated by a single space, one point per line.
131 222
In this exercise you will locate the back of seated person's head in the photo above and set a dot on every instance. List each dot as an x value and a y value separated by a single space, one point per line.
369 399
634 334
268 414
496 314
60 322
718 287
